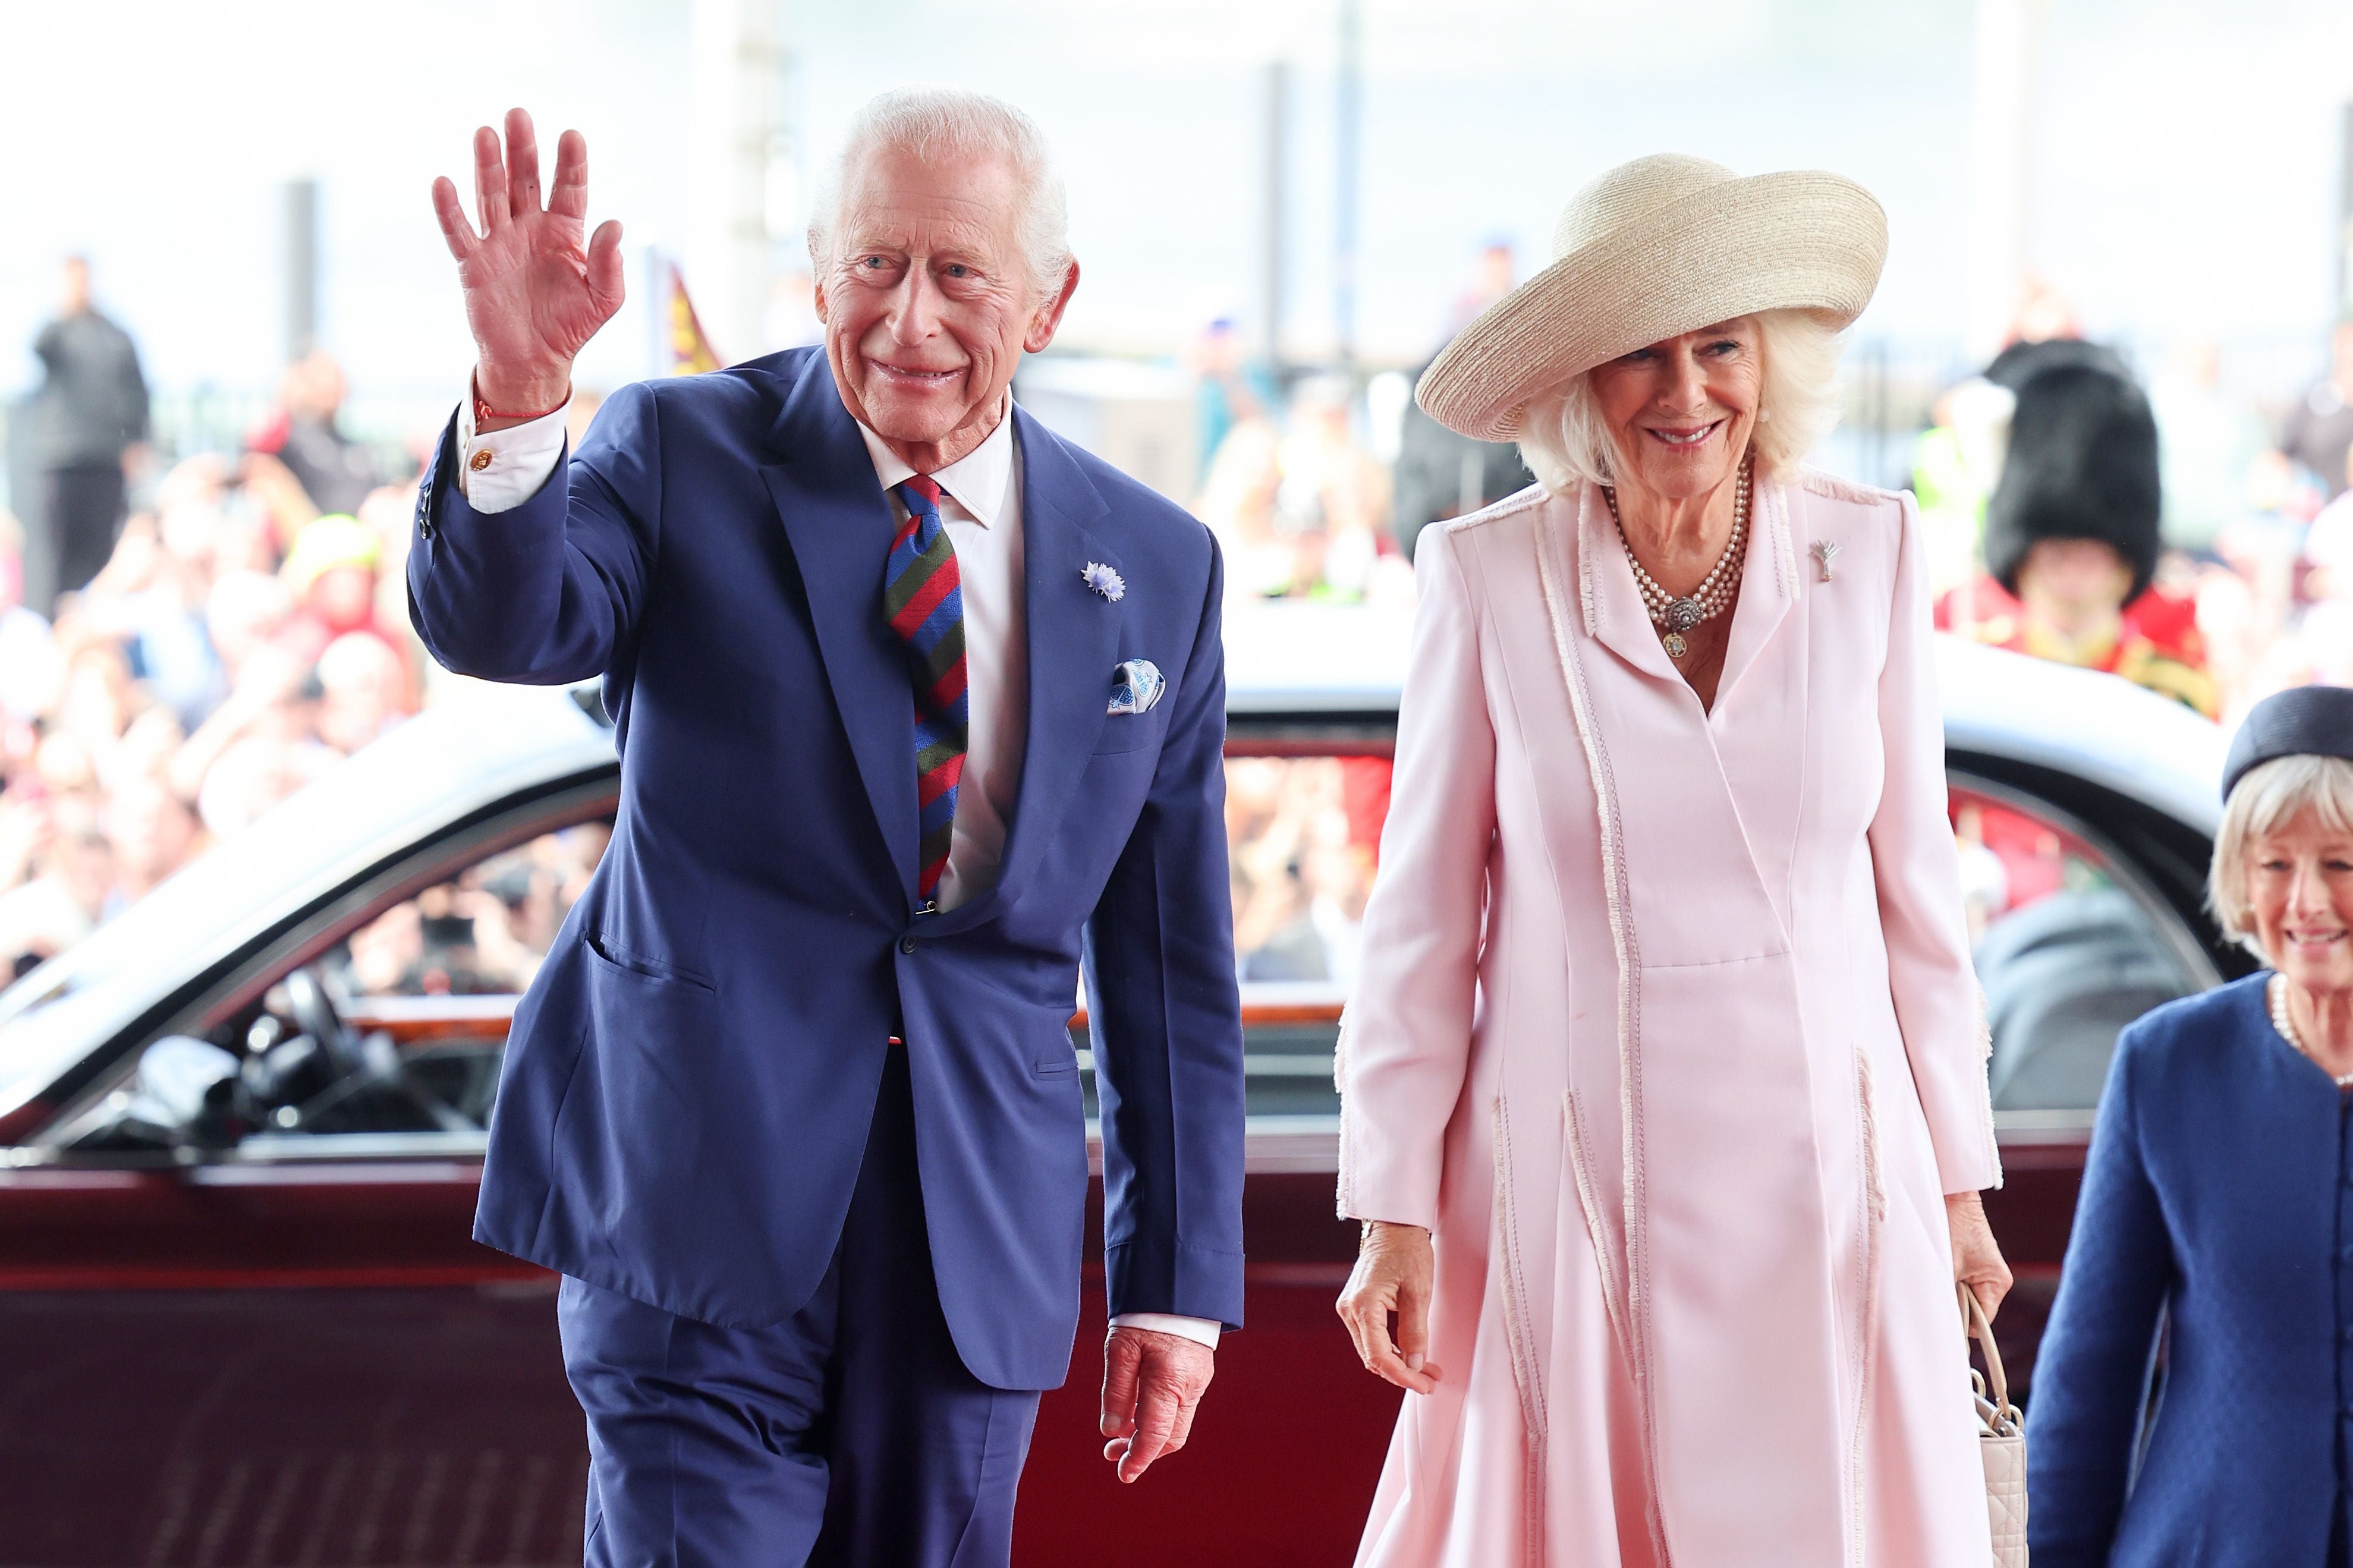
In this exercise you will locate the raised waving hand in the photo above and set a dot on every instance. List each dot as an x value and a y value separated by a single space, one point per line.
534 291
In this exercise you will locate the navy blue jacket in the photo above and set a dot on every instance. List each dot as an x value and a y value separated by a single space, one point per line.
689 1083
2219 1193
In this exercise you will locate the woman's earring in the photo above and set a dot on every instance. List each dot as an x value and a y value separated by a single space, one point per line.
1764 415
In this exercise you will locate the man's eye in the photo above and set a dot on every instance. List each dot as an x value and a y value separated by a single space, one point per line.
872 263
959 270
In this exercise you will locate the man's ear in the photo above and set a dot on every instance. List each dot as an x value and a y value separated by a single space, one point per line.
1047 320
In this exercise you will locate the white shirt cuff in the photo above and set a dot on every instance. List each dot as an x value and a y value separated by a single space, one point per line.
1200 1331
500 470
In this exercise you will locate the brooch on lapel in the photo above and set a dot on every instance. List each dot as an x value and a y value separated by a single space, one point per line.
1135 686
1825 552
1104 581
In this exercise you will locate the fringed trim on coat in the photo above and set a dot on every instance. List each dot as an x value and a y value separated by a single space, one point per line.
1588 1199
1874 1218
1527 1367
1985 1087
1622 939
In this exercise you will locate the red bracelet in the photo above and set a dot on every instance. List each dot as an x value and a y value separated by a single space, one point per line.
483 411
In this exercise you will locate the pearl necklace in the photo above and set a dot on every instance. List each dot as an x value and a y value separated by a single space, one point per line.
2275 991
1715 590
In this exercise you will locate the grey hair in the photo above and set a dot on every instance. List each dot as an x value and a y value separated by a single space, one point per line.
928 122
1563 440
2267 798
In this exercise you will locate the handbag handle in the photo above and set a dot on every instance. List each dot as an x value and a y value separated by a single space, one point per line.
2000 1415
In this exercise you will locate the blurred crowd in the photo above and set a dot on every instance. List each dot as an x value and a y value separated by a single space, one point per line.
241 627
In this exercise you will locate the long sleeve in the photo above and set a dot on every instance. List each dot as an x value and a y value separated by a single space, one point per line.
1166 1016
1938 1005
521 458
1406 1044
548 591
2090 1375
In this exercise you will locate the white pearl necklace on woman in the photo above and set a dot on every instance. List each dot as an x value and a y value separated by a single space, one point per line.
1715 590
2275 991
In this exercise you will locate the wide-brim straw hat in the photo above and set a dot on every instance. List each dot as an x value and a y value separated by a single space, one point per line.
1655 248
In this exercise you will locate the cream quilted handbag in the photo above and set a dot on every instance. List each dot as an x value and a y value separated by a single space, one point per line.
2002 1442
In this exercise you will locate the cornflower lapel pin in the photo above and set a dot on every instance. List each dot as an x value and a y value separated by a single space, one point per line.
1825 552
1104 581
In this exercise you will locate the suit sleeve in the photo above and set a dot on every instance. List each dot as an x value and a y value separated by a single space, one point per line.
546 593
2091 1373
1406 1044
1166 1016
1939 1007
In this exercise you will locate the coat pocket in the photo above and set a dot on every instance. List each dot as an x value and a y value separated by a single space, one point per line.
602 951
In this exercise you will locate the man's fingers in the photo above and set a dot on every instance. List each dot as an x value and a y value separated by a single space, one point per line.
604 288
1122 1358
567 195
523 164
455 230
1155 1421
490 181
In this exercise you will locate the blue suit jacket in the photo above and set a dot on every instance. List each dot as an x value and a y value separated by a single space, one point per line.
2219 1193
690 1081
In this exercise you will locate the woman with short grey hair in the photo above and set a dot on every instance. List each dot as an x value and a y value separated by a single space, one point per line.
2217 1199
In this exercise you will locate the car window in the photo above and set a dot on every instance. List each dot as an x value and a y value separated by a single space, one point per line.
1302 836
485 931
397 1028
2069 946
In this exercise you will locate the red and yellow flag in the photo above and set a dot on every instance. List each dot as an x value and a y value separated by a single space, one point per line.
690 352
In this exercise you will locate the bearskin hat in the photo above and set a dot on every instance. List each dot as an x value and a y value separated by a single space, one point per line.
2081 464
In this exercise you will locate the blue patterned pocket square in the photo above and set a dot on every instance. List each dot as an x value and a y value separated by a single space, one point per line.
1135 686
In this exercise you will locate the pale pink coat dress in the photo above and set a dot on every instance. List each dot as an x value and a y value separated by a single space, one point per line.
1668 1031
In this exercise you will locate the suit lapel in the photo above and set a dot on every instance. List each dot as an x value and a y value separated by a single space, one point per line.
839 527
1073 645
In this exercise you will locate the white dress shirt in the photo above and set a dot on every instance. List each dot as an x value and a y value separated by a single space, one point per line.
980 506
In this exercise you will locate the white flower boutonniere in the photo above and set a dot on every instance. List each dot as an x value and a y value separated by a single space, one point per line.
1104 581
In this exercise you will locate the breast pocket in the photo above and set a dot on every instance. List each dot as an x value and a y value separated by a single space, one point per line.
1133 731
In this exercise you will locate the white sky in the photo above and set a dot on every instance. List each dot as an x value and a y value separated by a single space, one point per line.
2187 159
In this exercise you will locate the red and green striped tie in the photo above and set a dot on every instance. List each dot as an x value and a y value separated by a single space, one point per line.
923 597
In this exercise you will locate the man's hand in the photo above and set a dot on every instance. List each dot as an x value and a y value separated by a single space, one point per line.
534 294
1393 1274
1152 1383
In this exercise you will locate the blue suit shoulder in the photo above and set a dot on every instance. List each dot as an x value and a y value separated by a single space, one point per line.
742 399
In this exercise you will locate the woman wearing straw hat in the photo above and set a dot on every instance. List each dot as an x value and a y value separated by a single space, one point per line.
1665 1095
2218 1200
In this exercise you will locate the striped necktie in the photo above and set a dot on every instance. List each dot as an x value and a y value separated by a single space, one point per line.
923 598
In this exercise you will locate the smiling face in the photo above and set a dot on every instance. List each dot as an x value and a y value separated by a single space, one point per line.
1680 411
927 302
2300 902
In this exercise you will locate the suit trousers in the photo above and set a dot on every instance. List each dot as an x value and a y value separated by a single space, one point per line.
849 1436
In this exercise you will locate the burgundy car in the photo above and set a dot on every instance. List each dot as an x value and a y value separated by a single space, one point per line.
241 1127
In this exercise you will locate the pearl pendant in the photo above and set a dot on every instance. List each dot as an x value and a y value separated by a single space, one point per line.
1675 645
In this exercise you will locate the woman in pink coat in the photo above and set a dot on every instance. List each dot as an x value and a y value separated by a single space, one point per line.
1664 1099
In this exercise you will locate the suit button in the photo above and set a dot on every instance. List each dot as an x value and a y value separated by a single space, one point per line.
906 944
479 460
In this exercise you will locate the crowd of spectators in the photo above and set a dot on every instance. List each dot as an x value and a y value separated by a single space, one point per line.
238 638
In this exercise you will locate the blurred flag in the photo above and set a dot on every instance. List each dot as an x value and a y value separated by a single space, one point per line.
690 352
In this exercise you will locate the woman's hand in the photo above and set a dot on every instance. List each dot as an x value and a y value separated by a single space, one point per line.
1977 1260
1393 1274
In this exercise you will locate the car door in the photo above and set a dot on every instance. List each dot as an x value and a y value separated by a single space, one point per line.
265 1336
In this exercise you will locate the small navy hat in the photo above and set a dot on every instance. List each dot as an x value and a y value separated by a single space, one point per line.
2302 721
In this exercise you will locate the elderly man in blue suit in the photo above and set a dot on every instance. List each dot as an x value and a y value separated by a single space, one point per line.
921 713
